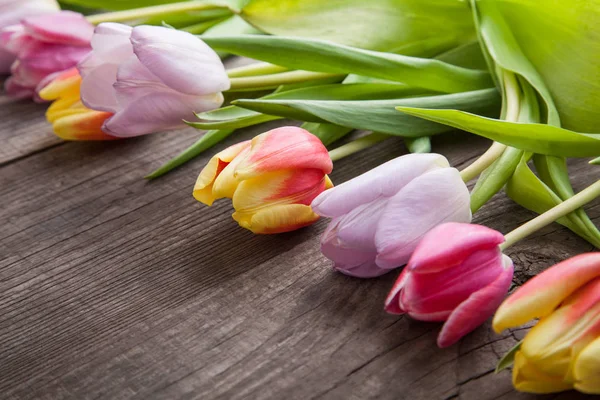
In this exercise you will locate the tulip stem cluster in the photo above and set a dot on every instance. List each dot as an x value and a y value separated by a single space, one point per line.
272 81
564 208
356 146
254 69
152 11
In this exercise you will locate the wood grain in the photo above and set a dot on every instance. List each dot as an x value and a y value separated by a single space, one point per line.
112 287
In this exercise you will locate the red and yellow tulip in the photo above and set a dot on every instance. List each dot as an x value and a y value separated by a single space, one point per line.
70 119
271 179
562 351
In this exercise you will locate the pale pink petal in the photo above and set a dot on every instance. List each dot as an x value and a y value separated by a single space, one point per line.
97 90
156 112
383 181
353 261
477 308
181 60
431 199
13 38
13 89
13 11
540 296
65 27
449 244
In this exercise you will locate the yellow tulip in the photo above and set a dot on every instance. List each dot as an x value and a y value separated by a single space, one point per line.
562 351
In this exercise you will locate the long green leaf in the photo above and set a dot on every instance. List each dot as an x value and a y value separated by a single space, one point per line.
380 25
537 138
232 117
322 56
508 359
328 133
378 115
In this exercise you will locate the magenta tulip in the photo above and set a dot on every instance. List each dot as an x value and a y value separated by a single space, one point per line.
380 216
44 45
150 77
457 274
12 12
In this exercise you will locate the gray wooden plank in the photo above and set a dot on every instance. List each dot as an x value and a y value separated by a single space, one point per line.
112 287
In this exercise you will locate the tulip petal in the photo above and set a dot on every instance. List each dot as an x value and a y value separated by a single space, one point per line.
6 60
528 378
65 27
179 59
288 147
357 261
392 301
85 125
539 296
451 243
203 191
277 218
383 181
280 187
477 308
587 369
431 199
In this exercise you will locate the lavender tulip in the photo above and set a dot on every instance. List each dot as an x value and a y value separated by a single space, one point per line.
379 217
150 77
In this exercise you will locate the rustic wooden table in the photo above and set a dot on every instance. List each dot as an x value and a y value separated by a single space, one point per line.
112 287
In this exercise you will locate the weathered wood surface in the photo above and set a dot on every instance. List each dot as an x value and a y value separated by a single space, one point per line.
112 287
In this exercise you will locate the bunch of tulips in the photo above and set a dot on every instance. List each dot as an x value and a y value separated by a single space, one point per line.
123 74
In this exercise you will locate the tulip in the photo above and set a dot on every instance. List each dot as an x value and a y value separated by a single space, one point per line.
43 45
271 179
562 351
70 119
380 216
12 12
150 77
457 274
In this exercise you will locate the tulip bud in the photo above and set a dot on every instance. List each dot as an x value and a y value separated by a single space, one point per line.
12 12
562 351
150 77
70 119
44 45
380 216
457 274
271 179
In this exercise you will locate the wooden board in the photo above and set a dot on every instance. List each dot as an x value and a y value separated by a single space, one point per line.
112 287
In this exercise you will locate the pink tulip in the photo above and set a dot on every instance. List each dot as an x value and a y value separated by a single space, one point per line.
44 45
12 12
379 217
457 274
150 77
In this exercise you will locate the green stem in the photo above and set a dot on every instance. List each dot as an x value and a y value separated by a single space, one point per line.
273 80
152 11
260 68
513 105
357 145
559 211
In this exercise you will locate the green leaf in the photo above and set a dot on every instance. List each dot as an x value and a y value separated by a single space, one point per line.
328 133
560 40
527 190
508 359
595 161
208 140
381 25
321 56
232 117
117 4
504 48
536 138
418 145
378 115
495 177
